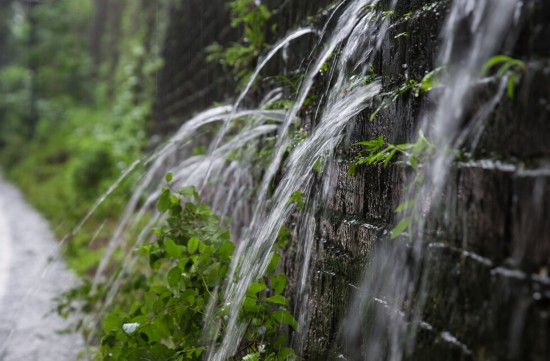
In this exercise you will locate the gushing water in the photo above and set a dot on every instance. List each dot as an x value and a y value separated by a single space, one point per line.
395 287
361 31
225 183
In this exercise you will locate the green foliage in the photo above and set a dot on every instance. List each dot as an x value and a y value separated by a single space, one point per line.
297 198
92 169
51 62
63 65
162 317
14 103
76 156
92 123
251 17
387 14
428 82
505 65
378 151
166 300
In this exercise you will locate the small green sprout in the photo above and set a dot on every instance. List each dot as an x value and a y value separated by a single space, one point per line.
506 65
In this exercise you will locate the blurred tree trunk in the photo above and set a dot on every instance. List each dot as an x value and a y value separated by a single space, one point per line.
97 31
148 9
104 40
5 14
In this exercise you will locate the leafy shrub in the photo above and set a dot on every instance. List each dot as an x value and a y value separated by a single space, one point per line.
93 168
162 308
14 103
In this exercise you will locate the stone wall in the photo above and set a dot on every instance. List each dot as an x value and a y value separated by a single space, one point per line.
488 263
488 266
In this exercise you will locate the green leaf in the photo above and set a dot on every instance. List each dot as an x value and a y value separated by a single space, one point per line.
405 205
212 274
189 192
255 288
374 144
511 86
403 147
298 199
226 250
389 156
286 354
430 80
401 227
273 262
278 299
172 249
278 283
169 177
250 304
504 69
189 296
499 59
206 249
352 169
373 114
144 250
192 245
173 277
163 202
285 318
112 321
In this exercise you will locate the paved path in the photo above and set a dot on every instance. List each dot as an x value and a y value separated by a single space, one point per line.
28 283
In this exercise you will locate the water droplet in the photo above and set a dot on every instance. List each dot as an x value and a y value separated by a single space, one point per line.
130 328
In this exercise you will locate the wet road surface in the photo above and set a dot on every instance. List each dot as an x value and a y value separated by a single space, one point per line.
28 283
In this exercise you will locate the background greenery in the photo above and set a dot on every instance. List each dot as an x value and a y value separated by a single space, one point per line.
91 66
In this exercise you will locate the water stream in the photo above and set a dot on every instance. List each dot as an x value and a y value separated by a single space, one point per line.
396 283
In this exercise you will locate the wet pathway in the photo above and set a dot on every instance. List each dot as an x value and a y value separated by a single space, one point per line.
28 283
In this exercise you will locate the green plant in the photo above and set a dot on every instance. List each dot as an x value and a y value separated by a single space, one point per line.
506 65
251 17
387 14
162 307
297 198
428 82
378 151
